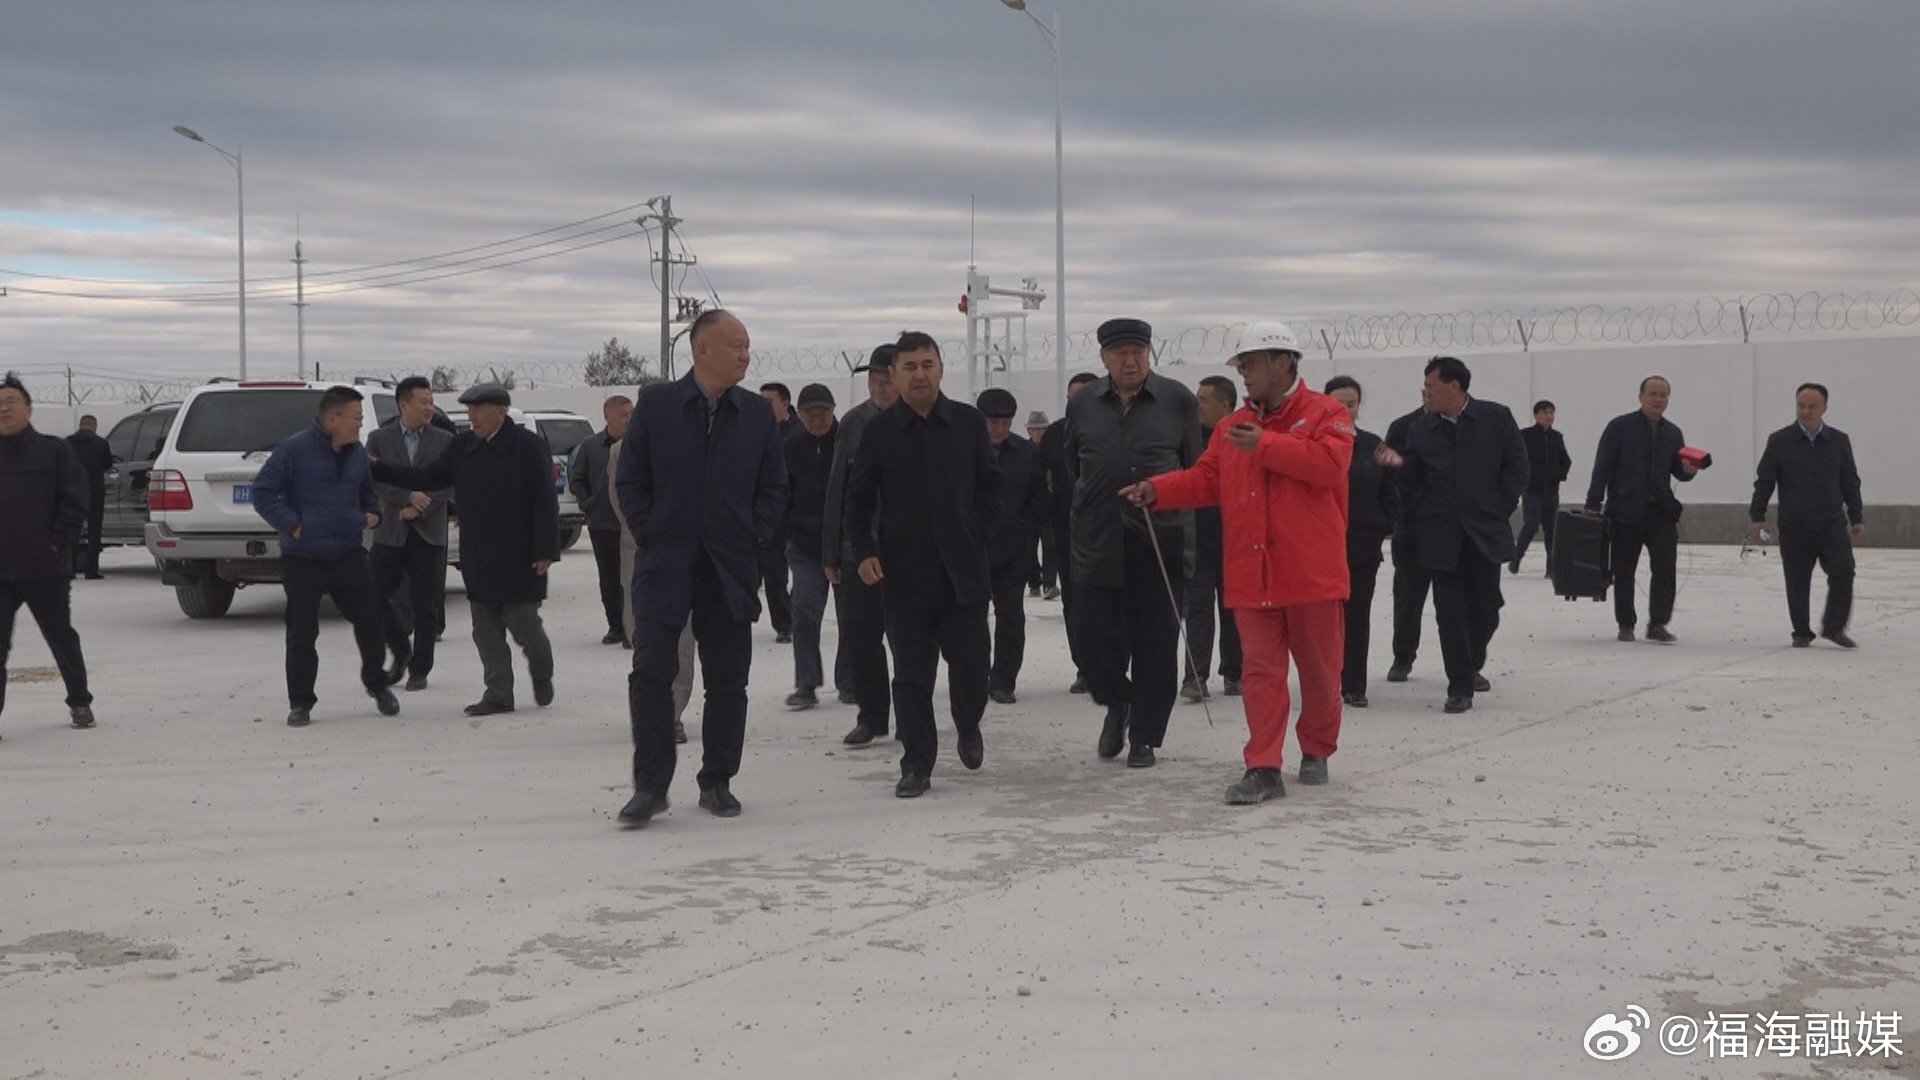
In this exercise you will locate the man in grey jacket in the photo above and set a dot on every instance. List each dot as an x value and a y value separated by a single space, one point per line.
410 543
590 483
857 606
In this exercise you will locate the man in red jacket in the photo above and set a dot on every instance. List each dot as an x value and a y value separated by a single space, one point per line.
1277 468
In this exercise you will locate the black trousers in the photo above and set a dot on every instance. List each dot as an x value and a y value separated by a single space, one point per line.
773 578
1832 548
1359 621
1063 548
49 600
1009 631
862 615
1206 598
606 557
1537 510
421 568
86 554
346 579
1659 533
1129 640
920 637
726 652
1410 584
1466 605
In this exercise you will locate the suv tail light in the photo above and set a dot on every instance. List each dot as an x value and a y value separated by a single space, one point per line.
167 490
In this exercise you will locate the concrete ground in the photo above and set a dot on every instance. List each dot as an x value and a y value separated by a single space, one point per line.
196 890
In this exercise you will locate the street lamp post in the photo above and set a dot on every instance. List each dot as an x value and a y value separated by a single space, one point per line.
240 181
1052 34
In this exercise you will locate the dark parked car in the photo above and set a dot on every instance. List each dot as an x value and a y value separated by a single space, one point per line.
135 442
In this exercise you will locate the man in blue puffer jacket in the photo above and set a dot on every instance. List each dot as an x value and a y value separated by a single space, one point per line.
317 492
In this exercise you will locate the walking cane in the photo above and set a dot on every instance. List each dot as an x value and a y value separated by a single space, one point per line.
1179 620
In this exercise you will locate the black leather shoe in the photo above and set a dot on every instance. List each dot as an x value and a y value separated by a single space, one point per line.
1257 786
784 637
1626 634
299 718
1661 635
1480 683
398 669
911 786
861 735
487 707
418 682
1079 685
543 692
1458 703
720 802
1002 697
1313 770
1229 686
96 577
802 699
613 637
1353 700
1140 757
679 733
1840 638
641 808
847 698
1399 672
384 700
973 749
1113 733
1801 641
80 716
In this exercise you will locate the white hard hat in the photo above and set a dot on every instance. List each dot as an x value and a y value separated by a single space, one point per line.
1264 335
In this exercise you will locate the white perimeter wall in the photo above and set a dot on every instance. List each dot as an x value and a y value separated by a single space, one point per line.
1727 398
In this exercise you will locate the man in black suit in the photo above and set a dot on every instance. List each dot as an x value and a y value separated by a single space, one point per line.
1547 466
1206 595
410 543
1820 512
1634 469
1053 454
1463 472
96 460
1010 546
1373 506
702 483
1410 583
926 468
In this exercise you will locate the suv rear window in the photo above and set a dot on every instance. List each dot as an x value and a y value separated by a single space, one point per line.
563 435
240 421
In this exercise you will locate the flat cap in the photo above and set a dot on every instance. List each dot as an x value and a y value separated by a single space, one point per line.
814 394
1124 332
486 393
882 359
997 403
1037 418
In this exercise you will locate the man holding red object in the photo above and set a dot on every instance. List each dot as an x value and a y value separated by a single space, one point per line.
1277 468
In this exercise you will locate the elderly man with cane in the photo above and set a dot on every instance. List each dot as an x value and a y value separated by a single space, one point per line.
1277 468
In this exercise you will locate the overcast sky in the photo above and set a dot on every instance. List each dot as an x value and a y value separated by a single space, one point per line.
1226 159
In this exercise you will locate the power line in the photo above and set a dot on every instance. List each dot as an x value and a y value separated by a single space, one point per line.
25 275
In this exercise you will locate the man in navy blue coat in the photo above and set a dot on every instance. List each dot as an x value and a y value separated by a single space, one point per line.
317 493
703 486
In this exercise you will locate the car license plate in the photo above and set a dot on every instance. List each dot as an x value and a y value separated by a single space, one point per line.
242 493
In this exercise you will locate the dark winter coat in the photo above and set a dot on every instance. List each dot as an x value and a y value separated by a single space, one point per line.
1023 509
509 514
1463 479
1635 466
324 492
1373 501
689 483
96 461
44 493
809 468
931 485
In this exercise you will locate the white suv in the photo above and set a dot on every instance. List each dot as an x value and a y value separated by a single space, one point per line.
202 528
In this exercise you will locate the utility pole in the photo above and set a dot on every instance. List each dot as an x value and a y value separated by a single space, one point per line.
300 305
663 215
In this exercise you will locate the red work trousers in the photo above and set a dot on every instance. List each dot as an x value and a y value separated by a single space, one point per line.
1315 635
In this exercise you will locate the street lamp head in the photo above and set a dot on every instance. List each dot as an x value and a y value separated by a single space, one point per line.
188 132
1017 5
